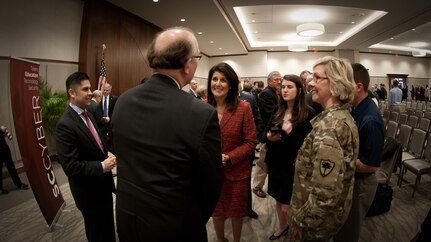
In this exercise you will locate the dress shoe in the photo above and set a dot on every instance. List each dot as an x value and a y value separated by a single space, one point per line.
276 237
23 186
4 191
259 192
252 214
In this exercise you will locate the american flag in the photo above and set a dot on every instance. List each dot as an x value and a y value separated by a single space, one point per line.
102 73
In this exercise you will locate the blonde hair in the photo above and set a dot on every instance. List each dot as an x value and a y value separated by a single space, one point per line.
340 74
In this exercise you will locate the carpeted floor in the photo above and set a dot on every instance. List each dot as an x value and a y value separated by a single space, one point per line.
21 219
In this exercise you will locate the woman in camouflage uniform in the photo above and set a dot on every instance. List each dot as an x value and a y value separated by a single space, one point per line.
325 165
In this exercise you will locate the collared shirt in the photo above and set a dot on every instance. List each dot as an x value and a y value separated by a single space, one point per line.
371 132
79 111
106 99
395 96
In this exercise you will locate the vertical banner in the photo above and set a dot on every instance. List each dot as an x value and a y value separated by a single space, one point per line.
27 116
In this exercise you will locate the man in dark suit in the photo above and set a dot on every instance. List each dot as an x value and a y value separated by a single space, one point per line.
193 88
94 104
268 105
168 148
86 161
104 113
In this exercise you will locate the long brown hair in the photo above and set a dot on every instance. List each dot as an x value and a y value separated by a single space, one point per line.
300 108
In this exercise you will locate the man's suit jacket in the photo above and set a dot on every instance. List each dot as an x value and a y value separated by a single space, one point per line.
80 157
99 113
268 105
192 93
93 107
105 128
255 109
169 170
238 139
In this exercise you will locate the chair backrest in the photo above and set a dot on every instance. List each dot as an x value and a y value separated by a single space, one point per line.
413 121
419 113
403 118
394 116
387 166
420 106
427 152
404 136
424 124
386 113
391 131
427 114
417 141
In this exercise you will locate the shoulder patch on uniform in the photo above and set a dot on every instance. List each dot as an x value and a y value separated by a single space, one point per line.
326 167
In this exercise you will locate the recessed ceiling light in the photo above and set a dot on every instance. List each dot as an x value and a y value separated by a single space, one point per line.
418 44
253 21
392 37
414 29
199 32
226 53
341 32
212 42
419 53
256 32
220 48
353 22
183 20
310 29
298 47
156 1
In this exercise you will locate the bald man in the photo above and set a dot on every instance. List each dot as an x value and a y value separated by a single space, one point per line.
193 88
168 149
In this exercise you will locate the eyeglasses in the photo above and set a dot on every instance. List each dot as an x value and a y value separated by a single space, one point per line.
317 79
199 57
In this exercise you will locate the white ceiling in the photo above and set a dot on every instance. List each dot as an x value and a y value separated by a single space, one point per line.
235 27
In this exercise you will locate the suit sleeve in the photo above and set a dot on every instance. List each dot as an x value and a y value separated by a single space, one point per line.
249 138
210 172
266 109
257 119
68 143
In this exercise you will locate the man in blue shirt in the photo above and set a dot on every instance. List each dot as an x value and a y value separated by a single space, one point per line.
371 139
395 97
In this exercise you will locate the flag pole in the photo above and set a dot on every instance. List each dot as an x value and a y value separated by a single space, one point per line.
102 71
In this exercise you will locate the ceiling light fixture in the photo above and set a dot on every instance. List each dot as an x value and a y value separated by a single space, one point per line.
310 29
418 53
298 47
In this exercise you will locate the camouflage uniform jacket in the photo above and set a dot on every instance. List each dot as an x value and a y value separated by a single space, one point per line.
324 174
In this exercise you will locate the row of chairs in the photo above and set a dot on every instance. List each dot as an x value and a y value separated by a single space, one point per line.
416 149
412 120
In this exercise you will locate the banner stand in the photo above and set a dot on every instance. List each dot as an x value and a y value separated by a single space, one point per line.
30 135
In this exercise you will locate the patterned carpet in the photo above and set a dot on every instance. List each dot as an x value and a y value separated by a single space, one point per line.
23 221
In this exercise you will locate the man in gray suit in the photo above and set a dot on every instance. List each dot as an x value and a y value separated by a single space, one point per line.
168 149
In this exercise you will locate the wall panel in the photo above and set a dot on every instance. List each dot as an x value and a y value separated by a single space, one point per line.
126 37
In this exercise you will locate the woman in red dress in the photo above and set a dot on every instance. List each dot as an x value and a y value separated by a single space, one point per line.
238 139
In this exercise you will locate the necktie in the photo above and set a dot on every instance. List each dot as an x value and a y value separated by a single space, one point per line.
278 95
92 130
105 107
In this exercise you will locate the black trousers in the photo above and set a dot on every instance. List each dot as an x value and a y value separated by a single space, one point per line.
6 158
99 226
